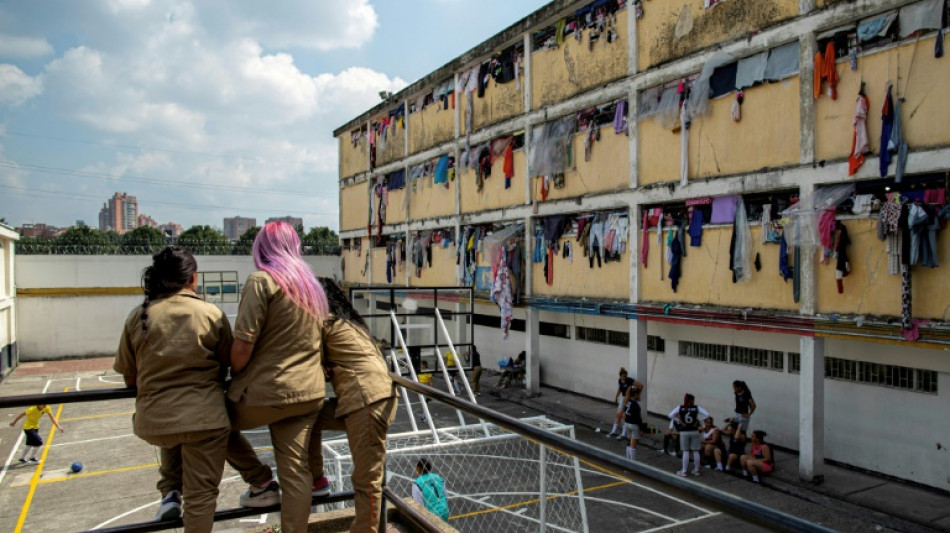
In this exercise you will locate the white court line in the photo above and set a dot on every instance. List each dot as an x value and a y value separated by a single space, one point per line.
92 440
16 446
680 523
77 383
147 505
642 509
103 380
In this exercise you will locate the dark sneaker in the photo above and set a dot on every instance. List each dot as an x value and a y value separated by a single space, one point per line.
170 507
261 497
321 487
34 460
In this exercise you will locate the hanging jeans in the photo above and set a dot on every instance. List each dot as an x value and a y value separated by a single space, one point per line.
596 240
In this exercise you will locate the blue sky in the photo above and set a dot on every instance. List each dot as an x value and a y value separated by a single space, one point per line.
205 108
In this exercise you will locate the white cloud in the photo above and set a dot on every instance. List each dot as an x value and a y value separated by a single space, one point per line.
16 86
23 47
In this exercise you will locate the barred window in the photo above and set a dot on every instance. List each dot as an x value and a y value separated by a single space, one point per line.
700 350
891 376
794 363
756 357
591 334
656 344
618 338
551 329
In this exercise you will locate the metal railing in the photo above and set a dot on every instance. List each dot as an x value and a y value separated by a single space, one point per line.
39 247
558 444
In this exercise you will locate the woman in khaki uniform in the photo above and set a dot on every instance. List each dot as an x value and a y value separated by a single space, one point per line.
275 361
174 348
365 405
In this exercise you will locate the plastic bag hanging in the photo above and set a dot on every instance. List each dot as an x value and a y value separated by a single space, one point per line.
549 147
804 216
742 251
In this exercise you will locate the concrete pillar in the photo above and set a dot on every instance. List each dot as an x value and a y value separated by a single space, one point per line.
806 113
532 377
811 410
809 274
638 356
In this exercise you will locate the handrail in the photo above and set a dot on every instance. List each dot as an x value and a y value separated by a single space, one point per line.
418 519
745 509
227 514
96 395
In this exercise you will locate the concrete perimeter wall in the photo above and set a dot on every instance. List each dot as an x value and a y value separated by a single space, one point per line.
74 306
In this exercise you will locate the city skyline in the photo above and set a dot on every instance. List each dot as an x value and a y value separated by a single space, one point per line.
234 113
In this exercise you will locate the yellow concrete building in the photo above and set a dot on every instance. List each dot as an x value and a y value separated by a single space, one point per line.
628 139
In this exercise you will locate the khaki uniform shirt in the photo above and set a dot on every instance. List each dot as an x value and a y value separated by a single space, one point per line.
360 376
176 364
285 362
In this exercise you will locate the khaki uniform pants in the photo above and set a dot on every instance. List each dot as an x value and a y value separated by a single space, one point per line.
193 463
476 376
290 427
366 433
243 458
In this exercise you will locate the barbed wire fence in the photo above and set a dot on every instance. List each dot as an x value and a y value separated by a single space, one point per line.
197 248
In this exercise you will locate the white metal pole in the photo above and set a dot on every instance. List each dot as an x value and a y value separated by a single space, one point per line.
405 393
543 489
412 374
585 527
468 388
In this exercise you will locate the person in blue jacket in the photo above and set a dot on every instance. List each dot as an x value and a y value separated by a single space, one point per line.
428 490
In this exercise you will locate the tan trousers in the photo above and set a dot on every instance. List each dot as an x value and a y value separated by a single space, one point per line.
193 463
290 427
476 376
366 433
243 458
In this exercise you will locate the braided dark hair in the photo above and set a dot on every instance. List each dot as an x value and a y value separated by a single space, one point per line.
169 273
340 306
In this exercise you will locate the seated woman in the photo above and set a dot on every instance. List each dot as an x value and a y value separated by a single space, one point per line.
736 446
712 441
512 371
760 460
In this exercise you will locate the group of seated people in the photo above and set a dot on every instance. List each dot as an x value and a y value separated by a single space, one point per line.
725 457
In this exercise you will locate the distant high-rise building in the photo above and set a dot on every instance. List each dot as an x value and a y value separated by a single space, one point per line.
234 227
293 221
120 213
145 220
171 229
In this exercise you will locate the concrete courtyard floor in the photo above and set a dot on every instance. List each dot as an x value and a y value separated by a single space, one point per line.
117 483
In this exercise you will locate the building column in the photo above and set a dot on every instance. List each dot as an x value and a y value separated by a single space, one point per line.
532 376
806 111
811 410
638 357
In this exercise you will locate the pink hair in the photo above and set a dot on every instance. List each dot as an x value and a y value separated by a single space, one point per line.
276 251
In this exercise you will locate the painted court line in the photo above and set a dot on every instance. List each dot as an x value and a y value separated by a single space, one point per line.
16 446
93 417
644 487
93 440
680 523
96 473
36 475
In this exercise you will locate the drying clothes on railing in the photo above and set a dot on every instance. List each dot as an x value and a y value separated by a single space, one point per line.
442 170
676 260
924 15
887 126
620 117
782 62
827 225
551 144
483 170
501 295
740 247
859 142
870 29
783 269
842 263
697 103
751 70
382 195
396 180
825 71
696 228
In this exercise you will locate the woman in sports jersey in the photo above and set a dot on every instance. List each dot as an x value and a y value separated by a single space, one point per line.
745 405
689 415
760 458
623 383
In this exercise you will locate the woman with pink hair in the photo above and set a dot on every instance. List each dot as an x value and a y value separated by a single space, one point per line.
276 366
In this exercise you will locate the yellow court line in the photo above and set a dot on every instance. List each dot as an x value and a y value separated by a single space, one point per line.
36 475
535 500
92 417
96 473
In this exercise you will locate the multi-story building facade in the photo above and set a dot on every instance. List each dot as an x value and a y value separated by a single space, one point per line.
171 229
120 213
703 199
145 220
37 230
293 221
234 227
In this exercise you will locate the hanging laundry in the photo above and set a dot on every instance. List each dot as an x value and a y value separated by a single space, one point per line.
484 167
842 263
676 267
783 269
442 171
724 209
645 243
782 62
897 143
859 140
509 165
825 71
620 117
887 125
740 247
826 228
501 295
696 228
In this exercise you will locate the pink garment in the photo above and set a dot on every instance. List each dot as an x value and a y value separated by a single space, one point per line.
501 294
859 144
826 228
645 246
935 196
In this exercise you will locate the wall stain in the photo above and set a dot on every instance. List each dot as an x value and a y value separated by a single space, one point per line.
727 21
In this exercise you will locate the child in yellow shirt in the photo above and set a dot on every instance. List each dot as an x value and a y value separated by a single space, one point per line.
31 428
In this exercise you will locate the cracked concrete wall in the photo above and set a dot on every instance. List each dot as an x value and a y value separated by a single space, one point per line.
574 67
577 279
353 264
607 169
396 209
767 136
915 73
431 199
676 28
353 159
355 201
501 101
870 290
707 279
442 273
430 127
494 195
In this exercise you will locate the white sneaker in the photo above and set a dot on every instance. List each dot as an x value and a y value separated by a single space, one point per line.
170 507
261 497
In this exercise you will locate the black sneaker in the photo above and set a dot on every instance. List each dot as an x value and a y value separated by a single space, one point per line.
261 497
171 506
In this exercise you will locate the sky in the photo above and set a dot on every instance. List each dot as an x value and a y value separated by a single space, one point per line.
204 109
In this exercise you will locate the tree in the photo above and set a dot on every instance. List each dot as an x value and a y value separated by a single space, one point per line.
204 240
83 240
246 241
113 237
319 239
145 239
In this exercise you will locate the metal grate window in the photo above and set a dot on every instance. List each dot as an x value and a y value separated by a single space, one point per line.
656 344
700 350
618 338
794 363
891 376
591 334
756 357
